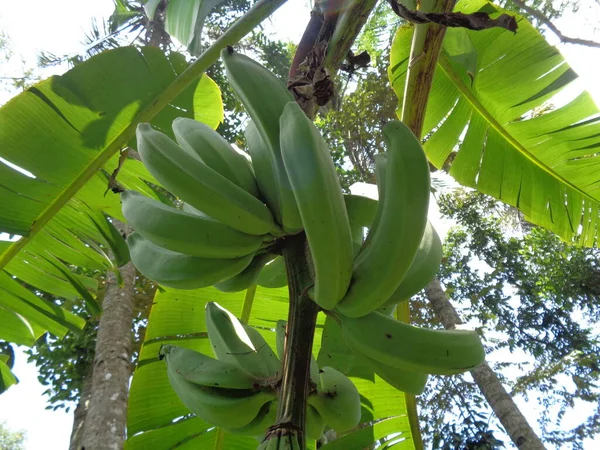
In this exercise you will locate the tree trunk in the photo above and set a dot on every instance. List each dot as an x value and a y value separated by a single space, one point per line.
107 414
81 411
490 386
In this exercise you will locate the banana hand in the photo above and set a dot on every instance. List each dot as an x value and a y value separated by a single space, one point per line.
187 177
392 243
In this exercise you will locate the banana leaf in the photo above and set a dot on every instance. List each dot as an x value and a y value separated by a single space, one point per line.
482 122
61 139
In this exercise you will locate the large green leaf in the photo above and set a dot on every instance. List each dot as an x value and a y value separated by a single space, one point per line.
7 379
546 165
156 417
64 135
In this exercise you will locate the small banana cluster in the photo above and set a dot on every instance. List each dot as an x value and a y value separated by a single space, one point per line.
238 390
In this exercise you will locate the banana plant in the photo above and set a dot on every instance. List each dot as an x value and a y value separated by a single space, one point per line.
66 134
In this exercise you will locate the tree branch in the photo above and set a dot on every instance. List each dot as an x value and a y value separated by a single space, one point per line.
543 19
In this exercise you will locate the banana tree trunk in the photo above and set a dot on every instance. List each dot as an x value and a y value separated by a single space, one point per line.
81 410
105 423
490 386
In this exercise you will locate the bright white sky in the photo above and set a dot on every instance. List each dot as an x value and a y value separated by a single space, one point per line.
58 27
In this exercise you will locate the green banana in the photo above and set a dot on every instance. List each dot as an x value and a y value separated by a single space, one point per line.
181 271
273 274
283 440
361 210
397 344
179 231
280 334
197 368
318 194
264 96
201 140
232 342
423 268
381 163
361 213
187 177
269 357
393 240
337 400
246 277
315 424
263 420
403 380
264 165
232 408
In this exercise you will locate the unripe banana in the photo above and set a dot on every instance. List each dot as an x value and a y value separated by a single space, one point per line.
265 168
281 441
361 213
393 241
187 177
403 380
315 424
337 400
273 275
264 97
269 357
381 163
397 344
423 268
361 210
280 335
197 368
201 140
318 195
176 270
179 231
248 276
263 420
232 342
232 408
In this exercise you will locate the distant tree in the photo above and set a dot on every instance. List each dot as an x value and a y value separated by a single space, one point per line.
536 297
11 440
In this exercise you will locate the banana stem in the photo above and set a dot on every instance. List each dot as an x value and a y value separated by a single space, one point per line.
302 318
424 53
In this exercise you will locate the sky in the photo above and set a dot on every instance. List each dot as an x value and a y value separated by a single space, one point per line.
58 27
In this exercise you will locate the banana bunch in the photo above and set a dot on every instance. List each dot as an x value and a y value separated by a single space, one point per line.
229 231
236 391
